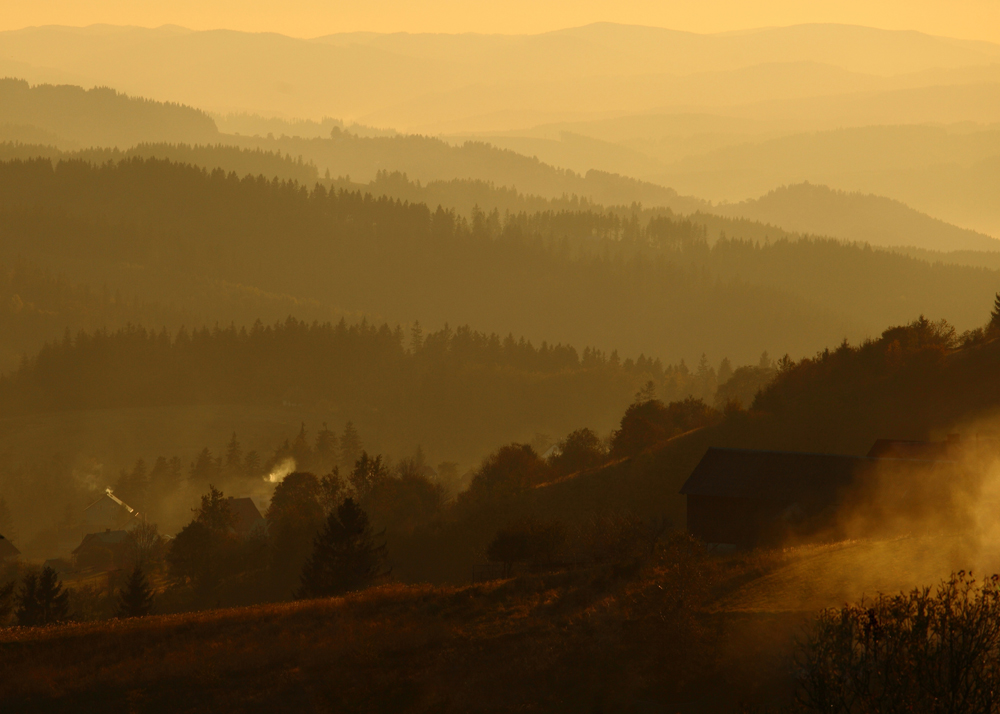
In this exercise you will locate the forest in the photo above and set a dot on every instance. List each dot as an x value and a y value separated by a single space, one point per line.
427 363
152 227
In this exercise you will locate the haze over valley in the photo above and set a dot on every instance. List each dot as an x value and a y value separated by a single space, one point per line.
609 348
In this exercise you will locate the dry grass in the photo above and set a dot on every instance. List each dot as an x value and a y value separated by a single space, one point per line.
603 639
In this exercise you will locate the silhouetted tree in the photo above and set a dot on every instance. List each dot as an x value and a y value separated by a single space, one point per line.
326 449
204 550
136 598
294 518
580 450
994 324
7 596
350 446
234 457
367 473
345 555
42 599
301 451
507 472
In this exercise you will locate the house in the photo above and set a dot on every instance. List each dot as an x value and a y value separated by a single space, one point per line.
105 549
108 513
7 550
746 497
246 517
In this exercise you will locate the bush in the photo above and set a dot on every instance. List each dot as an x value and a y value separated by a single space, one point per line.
915 652
526 541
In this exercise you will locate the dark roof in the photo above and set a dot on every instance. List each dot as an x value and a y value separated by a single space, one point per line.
109 495
245 515
7 549
107 538
923 450
771 475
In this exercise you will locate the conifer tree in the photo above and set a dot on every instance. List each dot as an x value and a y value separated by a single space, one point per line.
345 556
234 457
994 325
136 598
301 451
7 593
350 446
42 599
326 449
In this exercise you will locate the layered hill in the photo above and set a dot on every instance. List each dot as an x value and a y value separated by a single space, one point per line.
407 262
486 81
73 117
819 210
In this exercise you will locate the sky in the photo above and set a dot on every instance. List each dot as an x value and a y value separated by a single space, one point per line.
965 19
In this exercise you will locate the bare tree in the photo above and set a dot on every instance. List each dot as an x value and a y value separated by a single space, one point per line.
142 545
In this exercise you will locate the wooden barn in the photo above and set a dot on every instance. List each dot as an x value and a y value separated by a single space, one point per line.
746 498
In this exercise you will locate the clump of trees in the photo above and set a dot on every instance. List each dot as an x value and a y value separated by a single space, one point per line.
921 651
648 422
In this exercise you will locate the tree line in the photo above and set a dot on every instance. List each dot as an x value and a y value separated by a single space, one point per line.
651 283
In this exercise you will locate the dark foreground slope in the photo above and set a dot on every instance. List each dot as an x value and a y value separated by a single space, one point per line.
598 639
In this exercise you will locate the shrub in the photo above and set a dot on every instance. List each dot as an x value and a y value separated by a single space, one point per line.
915 652
526 541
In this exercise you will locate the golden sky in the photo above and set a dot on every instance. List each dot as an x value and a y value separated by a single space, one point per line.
968 19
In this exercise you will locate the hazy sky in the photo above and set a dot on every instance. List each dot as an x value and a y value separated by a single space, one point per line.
970 19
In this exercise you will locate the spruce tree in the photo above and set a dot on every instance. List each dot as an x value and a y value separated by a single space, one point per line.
350 446
345 556
42 599
994 325
136 598
7 593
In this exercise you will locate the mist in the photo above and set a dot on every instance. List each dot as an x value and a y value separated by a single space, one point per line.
415 344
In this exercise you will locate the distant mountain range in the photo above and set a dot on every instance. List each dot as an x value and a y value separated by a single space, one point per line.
491 82
908 157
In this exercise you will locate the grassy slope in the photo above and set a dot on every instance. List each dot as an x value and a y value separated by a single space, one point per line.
578 641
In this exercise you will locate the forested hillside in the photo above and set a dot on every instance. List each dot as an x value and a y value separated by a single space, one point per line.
578 277
820 210
75 117
253 162
426 159
450 386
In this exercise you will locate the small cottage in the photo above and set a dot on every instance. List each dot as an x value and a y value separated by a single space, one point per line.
106 549
745 497
108 513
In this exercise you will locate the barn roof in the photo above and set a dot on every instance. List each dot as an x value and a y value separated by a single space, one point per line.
923 450
7 549
246 516
771 475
